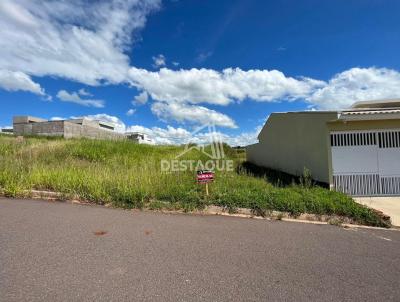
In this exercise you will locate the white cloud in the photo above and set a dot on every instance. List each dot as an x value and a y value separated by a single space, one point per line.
244 138
221 88
130 112
57 118
119 125
159 61
141 99
191 114
357 84
175 63
197 86
5 127
203 56
16 80
79 40
74 97
83 92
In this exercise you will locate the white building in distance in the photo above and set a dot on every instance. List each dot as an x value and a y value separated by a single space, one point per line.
140 138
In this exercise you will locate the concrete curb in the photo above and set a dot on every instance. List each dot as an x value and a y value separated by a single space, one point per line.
217 210
303 218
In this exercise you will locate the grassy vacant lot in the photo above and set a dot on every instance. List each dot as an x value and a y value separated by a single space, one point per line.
129 175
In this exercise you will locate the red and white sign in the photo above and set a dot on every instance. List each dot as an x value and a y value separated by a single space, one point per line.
205 176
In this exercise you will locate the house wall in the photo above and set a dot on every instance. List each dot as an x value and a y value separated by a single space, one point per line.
20 129
89 129
72 130
53 128
290 142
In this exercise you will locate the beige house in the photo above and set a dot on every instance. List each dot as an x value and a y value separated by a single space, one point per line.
356 151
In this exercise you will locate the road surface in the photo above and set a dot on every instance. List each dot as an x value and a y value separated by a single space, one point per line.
54 251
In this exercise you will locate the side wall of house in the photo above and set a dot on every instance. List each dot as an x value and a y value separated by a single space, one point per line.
72 130
290 142
53 128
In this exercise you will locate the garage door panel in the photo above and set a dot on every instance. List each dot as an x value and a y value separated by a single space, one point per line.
390 185
389 161
354 159
357 184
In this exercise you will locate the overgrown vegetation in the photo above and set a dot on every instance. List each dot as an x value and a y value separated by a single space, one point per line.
129 175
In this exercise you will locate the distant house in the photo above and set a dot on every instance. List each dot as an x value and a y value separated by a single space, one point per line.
28 125
7 131
74 128
140 138
356 151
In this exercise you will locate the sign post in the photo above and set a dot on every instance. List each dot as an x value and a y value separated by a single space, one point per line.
205 177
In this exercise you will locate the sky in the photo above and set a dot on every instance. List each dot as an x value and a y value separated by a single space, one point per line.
168 67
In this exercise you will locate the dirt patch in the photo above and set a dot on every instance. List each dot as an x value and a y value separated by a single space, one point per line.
100 233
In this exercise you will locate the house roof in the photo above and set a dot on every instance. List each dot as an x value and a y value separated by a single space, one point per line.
372 110
393 103
376 114
365 112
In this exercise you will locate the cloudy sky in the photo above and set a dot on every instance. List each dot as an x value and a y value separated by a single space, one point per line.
169 67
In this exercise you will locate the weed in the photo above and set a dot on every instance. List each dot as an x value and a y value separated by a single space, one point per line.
335 221
306 180
129 175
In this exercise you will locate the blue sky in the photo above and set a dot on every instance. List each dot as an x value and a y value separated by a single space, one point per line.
230 63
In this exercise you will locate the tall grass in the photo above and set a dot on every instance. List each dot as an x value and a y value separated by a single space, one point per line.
129 175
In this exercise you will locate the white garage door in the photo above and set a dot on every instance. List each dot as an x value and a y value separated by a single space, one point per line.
366 163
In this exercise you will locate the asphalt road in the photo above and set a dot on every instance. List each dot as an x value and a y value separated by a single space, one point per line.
53 251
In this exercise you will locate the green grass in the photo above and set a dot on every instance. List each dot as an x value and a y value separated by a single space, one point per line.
129 175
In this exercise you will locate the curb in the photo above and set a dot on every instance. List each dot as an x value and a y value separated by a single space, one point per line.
217 210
